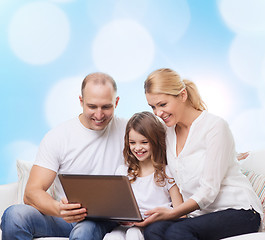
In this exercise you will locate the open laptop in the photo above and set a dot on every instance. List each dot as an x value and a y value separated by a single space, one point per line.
106 197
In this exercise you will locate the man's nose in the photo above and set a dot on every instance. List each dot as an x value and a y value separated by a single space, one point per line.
99 114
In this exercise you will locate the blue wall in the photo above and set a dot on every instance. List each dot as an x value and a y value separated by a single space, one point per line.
47 47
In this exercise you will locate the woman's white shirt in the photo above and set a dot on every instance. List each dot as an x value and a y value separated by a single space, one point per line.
207 171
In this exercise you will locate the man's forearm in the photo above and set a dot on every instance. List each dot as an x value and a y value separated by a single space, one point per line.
42 201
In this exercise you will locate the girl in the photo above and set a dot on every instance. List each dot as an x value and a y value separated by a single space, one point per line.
201 155
145 158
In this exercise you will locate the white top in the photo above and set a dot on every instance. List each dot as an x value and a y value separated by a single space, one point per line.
147 194
75 149
207 170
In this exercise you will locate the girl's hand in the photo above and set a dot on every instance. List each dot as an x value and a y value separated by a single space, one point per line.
156 214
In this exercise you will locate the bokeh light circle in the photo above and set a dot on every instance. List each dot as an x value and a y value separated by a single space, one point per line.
62 102
244 16
39 32
249 130
246 55
124 49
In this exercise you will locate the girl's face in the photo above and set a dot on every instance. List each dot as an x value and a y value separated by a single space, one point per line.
169 108
139 146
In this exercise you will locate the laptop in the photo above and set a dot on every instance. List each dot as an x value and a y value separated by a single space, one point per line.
106 197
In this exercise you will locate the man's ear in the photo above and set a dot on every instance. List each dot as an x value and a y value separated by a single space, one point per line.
116 101
81 100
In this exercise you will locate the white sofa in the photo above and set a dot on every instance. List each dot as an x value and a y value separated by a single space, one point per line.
253 167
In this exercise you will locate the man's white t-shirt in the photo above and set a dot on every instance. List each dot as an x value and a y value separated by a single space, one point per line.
148 195
74 149
207 171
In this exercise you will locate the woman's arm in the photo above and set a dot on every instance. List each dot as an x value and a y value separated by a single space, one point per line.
175 195
162 214
180 209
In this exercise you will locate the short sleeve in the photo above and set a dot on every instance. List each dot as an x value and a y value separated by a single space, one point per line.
169 182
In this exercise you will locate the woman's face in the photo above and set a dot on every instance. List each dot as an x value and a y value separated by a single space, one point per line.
168 107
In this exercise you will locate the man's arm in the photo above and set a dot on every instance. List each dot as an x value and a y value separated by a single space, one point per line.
40 180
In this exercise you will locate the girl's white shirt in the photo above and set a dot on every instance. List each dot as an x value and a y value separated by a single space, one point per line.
207 171
147 194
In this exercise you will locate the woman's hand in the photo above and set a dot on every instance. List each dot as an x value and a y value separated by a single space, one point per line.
71 212
156 214
242 156
128 224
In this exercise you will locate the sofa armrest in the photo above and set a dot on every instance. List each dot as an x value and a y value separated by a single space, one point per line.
8 193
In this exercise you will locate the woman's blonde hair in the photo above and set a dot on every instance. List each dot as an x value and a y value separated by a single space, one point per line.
167 81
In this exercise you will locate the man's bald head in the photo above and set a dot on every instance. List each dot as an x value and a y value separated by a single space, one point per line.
98 78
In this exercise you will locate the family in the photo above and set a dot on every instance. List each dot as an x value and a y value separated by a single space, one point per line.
183 169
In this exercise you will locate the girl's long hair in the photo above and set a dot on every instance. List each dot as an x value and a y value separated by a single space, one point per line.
146 124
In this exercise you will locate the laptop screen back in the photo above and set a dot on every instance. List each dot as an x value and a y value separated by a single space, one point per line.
104 196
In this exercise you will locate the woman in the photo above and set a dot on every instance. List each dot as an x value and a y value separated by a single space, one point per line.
218 199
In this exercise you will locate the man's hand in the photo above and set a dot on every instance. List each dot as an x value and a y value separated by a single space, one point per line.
71 212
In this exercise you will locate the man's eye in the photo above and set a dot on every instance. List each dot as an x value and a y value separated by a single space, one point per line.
92 107
106 108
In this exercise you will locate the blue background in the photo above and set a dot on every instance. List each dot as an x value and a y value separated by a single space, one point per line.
47 48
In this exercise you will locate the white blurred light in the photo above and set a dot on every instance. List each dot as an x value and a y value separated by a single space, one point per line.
261 91
124 49
168 20
249 130
39 32
216 95
22 150
244 16
246 56
62 102
136 9
19 150
62 1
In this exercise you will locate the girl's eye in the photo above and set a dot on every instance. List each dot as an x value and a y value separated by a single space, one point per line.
163 105
131 142
145 142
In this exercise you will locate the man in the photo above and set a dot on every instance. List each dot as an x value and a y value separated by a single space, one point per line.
89 144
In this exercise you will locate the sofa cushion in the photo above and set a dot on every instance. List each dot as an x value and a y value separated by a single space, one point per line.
23 170
250 236
258 183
